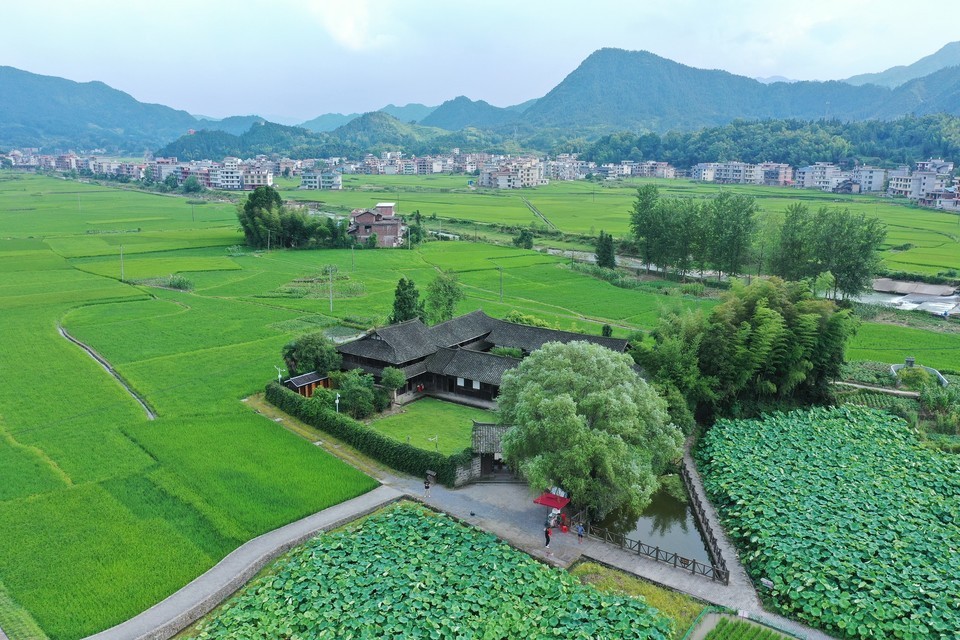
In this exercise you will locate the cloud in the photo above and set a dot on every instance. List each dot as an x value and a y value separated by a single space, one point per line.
354 25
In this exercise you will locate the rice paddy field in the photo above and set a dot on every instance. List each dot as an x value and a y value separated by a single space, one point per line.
586 207
104 512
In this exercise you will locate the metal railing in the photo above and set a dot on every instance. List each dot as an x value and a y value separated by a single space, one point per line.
715 572
703 522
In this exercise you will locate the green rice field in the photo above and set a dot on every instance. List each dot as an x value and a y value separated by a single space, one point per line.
587 207
104 512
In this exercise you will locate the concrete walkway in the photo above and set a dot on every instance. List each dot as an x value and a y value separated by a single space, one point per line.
187 605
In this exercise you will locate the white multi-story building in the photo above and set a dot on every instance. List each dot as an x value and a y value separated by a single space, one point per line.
228 176
254 177
821 175
704 171
776 174
513 174
323 179
870 178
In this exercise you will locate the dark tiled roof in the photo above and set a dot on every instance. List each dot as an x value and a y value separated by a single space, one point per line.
521 336
462 329
486 437
396 344
405 342
475 365
305 379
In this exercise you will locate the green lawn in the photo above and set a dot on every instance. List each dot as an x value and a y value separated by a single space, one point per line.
434 425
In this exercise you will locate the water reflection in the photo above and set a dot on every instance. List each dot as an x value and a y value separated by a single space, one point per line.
667 523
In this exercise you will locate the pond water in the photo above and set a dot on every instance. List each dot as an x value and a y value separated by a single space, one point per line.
667 523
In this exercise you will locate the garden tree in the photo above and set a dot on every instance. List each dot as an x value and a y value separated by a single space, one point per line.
170 182
370 242
731 222
582 419
442 297
357 394
606 331
518 317
605 254
392 378
406 302
415 232
311 352
767 341
192 185
640 221
524 239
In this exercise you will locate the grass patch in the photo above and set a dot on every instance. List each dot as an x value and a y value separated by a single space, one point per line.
433 425
679 607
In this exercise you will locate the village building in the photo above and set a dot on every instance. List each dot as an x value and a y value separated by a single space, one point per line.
381 222
453 358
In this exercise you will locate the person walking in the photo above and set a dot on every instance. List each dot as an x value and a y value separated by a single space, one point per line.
546 536
426 488
579 533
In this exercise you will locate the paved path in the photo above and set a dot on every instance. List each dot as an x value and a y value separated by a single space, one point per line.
181 609
890 392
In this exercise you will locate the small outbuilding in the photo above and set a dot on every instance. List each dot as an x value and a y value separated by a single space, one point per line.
307 383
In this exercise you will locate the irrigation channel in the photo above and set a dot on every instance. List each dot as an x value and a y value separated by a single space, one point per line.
106 365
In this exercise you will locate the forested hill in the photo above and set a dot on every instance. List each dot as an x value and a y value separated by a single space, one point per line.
795 142
370 133
45 111
462 112
620 89
947 56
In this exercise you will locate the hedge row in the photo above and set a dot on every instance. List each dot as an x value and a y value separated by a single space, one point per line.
397 455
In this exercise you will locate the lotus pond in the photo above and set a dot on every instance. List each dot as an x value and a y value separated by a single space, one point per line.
854 521
406 572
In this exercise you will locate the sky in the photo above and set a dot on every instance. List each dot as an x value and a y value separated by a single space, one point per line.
292 60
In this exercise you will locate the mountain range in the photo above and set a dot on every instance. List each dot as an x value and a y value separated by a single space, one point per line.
611 90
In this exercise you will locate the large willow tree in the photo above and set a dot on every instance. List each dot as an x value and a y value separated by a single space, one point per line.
585 421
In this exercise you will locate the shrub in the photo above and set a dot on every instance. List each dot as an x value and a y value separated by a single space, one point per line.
913 378
397 455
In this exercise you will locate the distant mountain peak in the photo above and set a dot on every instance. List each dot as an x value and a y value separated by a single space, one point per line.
947 56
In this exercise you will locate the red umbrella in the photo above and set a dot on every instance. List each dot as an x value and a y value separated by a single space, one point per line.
551 500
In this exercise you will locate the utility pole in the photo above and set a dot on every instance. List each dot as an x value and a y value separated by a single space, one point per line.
192 214
268 240
501 283
121 263
353 262
330 271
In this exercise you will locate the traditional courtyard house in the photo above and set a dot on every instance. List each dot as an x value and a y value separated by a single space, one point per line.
379 221
452 358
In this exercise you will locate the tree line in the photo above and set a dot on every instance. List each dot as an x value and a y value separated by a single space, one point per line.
831 246
267 223
795 142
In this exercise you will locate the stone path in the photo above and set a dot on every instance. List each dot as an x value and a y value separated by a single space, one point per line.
187 605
